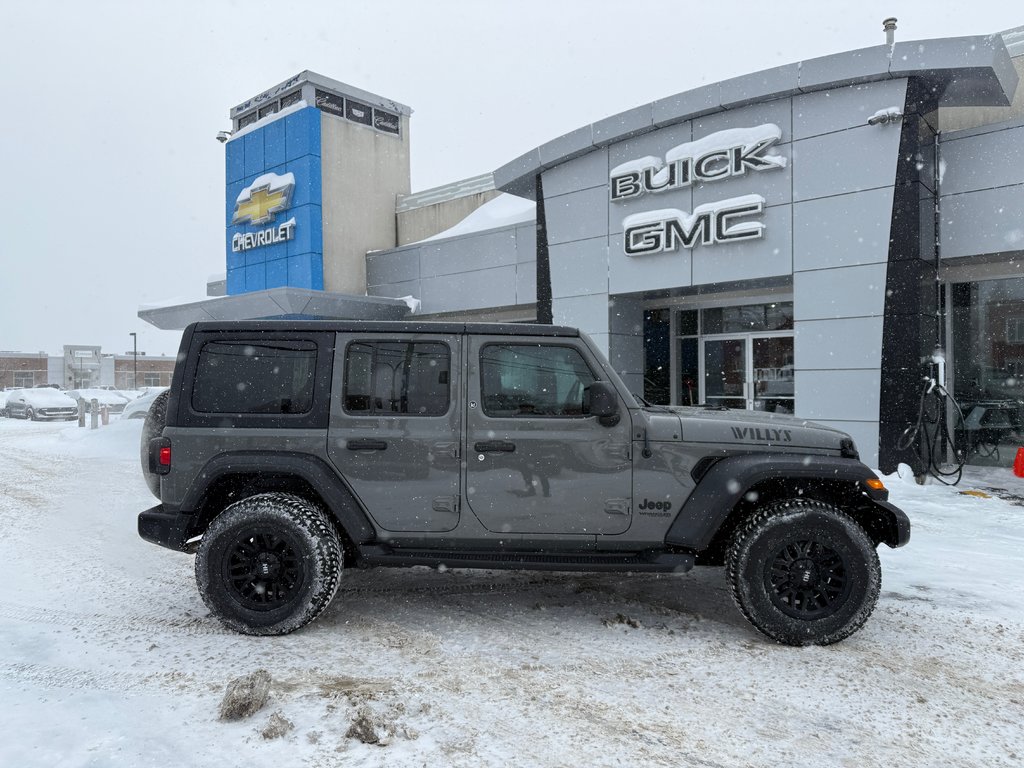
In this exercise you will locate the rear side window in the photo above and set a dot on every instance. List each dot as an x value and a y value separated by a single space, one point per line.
533 380
269 377
409 378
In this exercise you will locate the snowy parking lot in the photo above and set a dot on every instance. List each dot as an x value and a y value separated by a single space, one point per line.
109 658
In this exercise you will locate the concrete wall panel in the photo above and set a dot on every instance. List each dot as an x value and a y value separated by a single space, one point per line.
983 222
590 170
848 107
843 230
839 292
577 216
843 395
579 268
837 344
464 254
849 161
983 161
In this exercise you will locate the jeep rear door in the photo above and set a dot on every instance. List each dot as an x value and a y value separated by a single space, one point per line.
395 427
535 462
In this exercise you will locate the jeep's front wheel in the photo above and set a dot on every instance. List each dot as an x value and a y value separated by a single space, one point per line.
269 564
803 572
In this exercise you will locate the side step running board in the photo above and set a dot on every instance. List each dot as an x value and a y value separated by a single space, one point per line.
643 562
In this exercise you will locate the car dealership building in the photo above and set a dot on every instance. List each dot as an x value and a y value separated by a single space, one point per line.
797 240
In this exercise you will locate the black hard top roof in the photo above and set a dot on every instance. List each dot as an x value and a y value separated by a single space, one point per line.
383 326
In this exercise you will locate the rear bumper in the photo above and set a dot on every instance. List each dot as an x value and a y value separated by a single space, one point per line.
167 528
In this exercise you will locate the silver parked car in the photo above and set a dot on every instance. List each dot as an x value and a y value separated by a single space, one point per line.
41 404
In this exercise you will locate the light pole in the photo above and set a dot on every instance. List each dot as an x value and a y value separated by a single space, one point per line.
135 356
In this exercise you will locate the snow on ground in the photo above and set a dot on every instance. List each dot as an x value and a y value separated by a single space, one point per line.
109 658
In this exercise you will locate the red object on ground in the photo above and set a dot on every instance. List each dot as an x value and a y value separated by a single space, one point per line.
1018 463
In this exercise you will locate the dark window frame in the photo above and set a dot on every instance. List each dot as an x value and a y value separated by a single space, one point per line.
484 408
372 412
317 418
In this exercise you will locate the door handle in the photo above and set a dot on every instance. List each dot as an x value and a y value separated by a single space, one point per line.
494 446
366 445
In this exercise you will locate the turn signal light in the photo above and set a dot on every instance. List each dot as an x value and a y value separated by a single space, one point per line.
875 484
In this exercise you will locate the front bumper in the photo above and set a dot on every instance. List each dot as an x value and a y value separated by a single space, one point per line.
53 414
898 524
167 528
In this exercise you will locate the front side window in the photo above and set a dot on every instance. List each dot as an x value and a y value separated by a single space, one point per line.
533 380
263 377
408 378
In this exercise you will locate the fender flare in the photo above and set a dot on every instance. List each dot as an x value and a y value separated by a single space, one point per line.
721 488
341 502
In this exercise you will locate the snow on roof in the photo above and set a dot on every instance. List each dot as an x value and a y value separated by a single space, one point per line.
503 211
264 121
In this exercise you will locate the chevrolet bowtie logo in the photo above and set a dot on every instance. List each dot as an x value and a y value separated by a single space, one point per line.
257 203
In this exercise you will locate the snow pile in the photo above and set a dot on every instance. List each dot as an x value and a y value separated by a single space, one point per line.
503 211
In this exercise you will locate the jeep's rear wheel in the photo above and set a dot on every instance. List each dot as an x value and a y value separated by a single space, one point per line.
156 420
269 564
804 573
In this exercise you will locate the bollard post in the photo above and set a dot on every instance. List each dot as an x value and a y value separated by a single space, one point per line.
104 415
81 412
94 413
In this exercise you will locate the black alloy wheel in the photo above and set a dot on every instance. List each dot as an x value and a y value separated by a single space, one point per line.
803 572
269 564
263 569
807 580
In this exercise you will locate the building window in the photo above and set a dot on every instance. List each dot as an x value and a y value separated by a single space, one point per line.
1015 330
24 379
269 109
657 356
987 332
291 98
411 379
151 379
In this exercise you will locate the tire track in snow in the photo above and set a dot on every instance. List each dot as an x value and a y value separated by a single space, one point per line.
92 680
142 624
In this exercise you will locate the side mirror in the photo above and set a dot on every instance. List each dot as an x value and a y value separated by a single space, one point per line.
600 399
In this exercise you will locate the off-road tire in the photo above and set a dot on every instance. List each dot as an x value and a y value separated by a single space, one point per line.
156 420
803 572
269 564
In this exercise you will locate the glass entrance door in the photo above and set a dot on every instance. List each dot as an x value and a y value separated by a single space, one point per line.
749 372
726 372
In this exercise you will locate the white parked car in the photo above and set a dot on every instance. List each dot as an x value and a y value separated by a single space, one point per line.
41 403
114 400
4 394
138 408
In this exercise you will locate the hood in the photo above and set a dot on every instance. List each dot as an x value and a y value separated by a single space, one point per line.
47 397
746 429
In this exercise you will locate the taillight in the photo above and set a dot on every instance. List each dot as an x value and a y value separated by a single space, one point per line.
160 455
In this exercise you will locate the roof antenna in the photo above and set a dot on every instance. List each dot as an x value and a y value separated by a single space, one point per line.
889 25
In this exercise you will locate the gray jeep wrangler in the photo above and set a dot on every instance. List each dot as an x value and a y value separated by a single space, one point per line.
285 451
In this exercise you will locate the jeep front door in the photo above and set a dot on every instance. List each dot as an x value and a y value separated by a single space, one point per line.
536 462
395 427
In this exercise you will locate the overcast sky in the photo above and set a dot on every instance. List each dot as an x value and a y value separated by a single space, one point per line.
113 183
